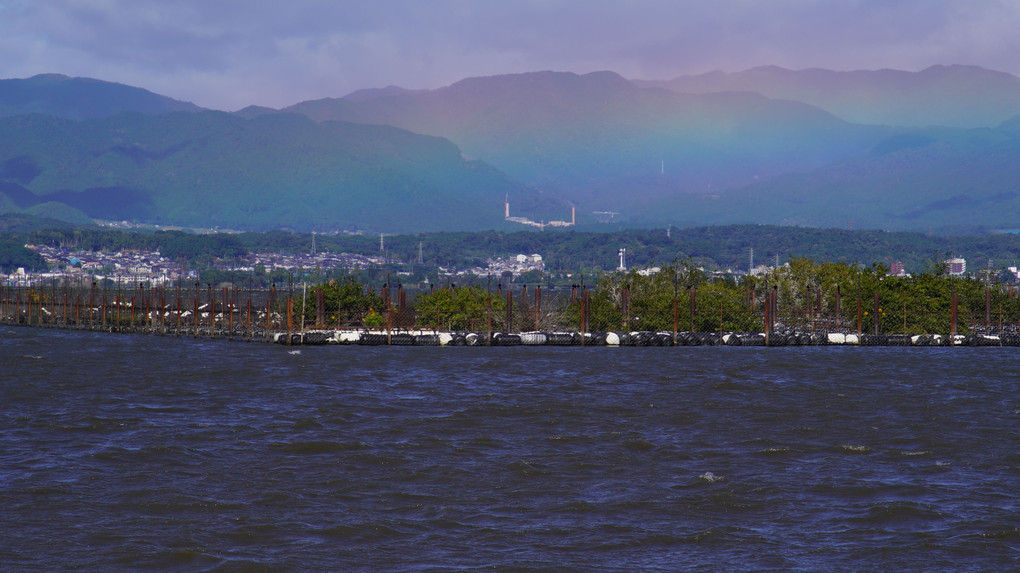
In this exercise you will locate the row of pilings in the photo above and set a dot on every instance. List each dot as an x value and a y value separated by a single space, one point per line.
253 315
282 316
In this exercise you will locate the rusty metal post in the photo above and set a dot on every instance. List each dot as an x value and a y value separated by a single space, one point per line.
538 307
178 308
269 313
290 318
583 317
226 306
195 333
230 319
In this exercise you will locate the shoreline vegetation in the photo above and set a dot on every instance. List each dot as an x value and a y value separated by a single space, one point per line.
801 303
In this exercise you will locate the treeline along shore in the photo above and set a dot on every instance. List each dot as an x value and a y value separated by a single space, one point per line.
801 303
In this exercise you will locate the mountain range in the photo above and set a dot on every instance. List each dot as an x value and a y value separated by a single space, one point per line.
929 150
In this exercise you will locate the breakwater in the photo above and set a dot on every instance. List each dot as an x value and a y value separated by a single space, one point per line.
779 339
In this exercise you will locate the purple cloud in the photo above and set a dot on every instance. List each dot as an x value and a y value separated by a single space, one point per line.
230 53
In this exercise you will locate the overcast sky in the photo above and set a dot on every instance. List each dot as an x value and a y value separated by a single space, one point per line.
227 54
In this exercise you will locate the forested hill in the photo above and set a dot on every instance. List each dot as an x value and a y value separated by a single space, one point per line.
212 169
80 98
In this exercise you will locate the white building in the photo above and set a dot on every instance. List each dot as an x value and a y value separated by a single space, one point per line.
956 267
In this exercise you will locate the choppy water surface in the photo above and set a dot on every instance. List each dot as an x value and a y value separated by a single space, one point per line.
148 453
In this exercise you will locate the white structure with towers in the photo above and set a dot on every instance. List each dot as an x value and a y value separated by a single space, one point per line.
539 224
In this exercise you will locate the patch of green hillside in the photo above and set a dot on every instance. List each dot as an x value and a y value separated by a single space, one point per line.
213 169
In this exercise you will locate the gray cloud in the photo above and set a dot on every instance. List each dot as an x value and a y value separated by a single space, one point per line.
230 53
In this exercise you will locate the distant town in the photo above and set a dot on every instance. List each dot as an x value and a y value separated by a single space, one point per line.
132 265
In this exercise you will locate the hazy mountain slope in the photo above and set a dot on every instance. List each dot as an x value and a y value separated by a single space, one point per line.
80 98
654 155
934 178
952 96
281 170
599 140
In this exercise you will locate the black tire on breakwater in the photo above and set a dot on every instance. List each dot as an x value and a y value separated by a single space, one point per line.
632 339
314 339
426 340
372 339
402 339
752 339
885 340
663 339
1010 339
501 339
710 338
744 339
563 339
981 340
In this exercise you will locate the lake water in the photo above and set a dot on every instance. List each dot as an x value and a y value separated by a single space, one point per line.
132 452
